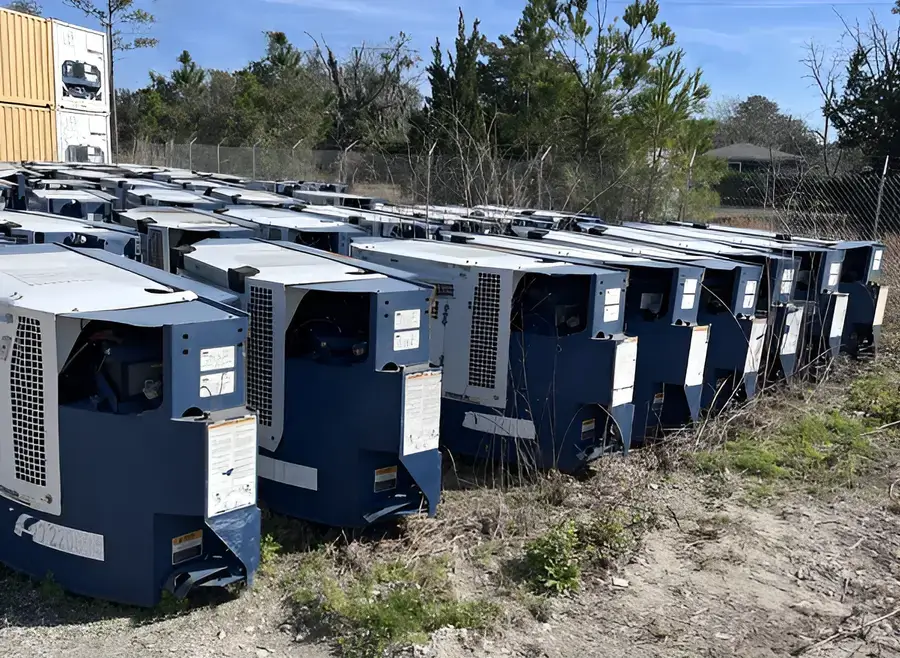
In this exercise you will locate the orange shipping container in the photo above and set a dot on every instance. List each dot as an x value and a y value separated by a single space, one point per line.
26 60
27 133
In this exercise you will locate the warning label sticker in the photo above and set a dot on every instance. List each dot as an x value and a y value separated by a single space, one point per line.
187 547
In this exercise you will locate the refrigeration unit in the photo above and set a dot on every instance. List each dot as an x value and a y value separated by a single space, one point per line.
816 287
83 137
537 369
159 196
247 197
348 404
129 462
81 68
44 228
377 224
661 310
300 227
861 278
728 306
341 199
167 233
91 205
785 320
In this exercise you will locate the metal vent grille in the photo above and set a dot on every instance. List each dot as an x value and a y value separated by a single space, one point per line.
485 328
259 358
27 397
155 250
444 289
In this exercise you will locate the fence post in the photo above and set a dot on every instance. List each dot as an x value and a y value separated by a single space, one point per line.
219 157
254 159
887 160
428 192
191 154
540 203
294 156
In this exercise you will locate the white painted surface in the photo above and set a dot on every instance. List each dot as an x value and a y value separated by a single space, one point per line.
72 43
696 365
881 305
756 342
518 428
421 412
794 322
76 131
231 465
839 316
217 358
294 475
60 538
624 372
67 282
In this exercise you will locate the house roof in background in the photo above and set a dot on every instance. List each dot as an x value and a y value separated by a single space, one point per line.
750 153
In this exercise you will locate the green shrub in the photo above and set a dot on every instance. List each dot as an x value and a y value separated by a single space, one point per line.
552 560
877 397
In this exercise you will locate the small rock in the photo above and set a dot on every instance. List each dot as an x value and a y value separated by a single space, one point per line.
654 487
620 583
149 640
285 628
802 573
262 652
250 629
724 637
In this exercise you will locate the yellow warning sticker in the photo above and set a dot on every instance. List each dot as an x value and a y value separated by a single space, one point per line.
187 547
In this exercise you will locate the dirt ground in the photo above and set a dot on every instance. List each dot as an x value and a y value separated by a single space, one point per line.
728 568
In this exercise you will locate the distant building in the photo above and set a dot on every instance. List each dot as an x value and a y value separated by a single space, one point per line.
748 157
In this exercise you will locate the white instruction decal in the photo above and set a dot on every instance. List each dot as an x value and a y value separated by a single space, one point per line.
231 465
755 345
696 365
835 269
687 302
421 412
833 280
876 260
610 313
217 358
794 321
840 314
751 288
748 301
405 320
406 340
624 372
787 282
690 286
881 306
218 383
613 297
60 538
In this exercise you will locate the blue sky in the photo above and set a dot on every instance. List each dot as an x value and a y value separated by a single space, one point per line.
744 46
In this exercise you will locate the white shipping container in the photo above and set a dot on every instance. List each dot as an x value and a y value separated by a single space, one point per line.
81 68
83 136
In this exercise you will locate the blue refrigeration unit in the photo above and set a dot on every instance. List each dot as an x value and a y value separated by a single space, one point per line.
537 369
348 404
129 462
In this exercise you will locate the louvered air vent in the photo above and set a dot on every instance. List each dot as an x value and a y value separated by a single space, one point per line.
259 357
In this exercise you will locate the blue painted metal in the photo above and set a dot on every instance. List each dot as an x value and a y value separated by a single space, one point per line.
568 421
135 473
27 227
816 285
343 414
728 304
861 279
658 311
